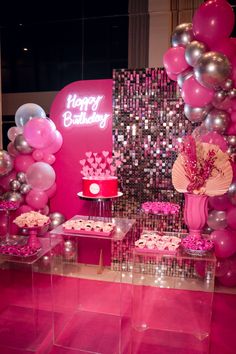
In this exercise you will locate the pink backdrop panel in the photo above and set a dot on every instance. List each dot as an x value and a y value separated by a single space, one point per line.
82 112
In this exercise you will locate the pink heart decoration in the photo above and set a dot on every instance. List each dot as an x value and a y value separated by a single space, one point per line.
98 159
82 162
109 160
118 163
112 168
85 168
95 154
105 153
90 160
83 173
99 170
94 165
88 154
107 173
103 165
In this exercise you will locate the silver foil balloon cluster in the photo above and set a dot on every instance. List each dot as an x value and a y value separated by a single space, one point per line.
18 188
204 66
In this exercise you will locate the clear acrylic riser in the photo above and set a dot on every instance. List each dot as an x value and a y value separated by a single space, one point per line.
86 297
26 304
171 302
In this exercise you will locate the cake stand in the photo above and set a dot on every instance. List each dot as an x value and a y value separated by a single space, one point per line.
100 206
33 240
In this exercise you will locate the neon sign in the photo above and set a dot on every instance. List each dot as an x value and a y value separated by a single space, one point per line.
84 111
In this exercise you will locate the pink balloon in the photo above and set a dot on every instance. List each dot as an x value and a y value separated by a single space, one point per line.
224 242
51 191
216 139
45 210
225 46
174 60
228 279
56 143
24 208
220 202
234 169
226 104
232 116
40 175
195 94
49 158
5 180
38 133
231 218
172 76
222 267
12 150
37 155
231 130
213 20
36 199
23 162
233 62
13 132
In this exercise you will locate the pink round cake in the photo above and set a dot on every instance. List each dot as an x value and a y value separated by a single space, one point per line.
103 187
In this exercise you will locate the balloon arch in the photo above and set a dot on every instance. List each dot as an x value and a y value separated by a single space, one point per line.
26 172
202 60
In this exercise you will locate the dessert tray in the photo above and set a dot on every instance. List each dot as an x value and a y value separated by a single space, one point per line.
157 242
88 227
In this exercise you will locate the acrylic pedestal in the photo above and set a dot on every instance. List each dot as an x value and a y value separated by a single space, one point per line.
26 306
172 303
87 315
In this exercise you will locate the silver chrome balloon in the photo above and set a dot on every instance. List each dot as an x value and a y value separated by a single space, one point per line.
212 69
56 220
6 163
25 188
194 51
196 114
232 93
219 96
217 120
227 85
14 185
20 176
13 197
184 76
231 140
182 35
21 145
232 193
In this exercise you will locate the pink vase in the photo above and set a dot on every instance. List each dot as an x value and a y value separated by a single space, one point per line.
195 213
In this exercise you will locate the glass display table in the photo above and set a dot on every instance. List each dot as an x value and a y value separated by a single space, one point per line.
92 249
171 302
26 306
86 315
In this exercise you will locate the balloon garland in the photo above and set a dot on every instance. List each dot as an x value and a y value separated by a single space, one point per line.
202 60
26 172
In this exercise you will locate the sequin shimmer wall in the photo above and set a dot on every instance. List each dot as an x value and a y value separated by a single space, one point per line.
147 119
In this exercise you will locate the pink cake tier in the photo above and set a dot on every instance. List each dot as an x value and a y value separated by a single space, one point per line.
100 187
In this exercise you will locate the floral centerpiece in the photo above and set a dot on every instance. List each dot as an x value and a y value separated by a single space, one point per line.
200 170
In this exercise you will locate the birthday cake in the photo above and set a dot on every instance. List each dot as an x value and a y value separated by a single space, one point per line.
100 186
99 180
